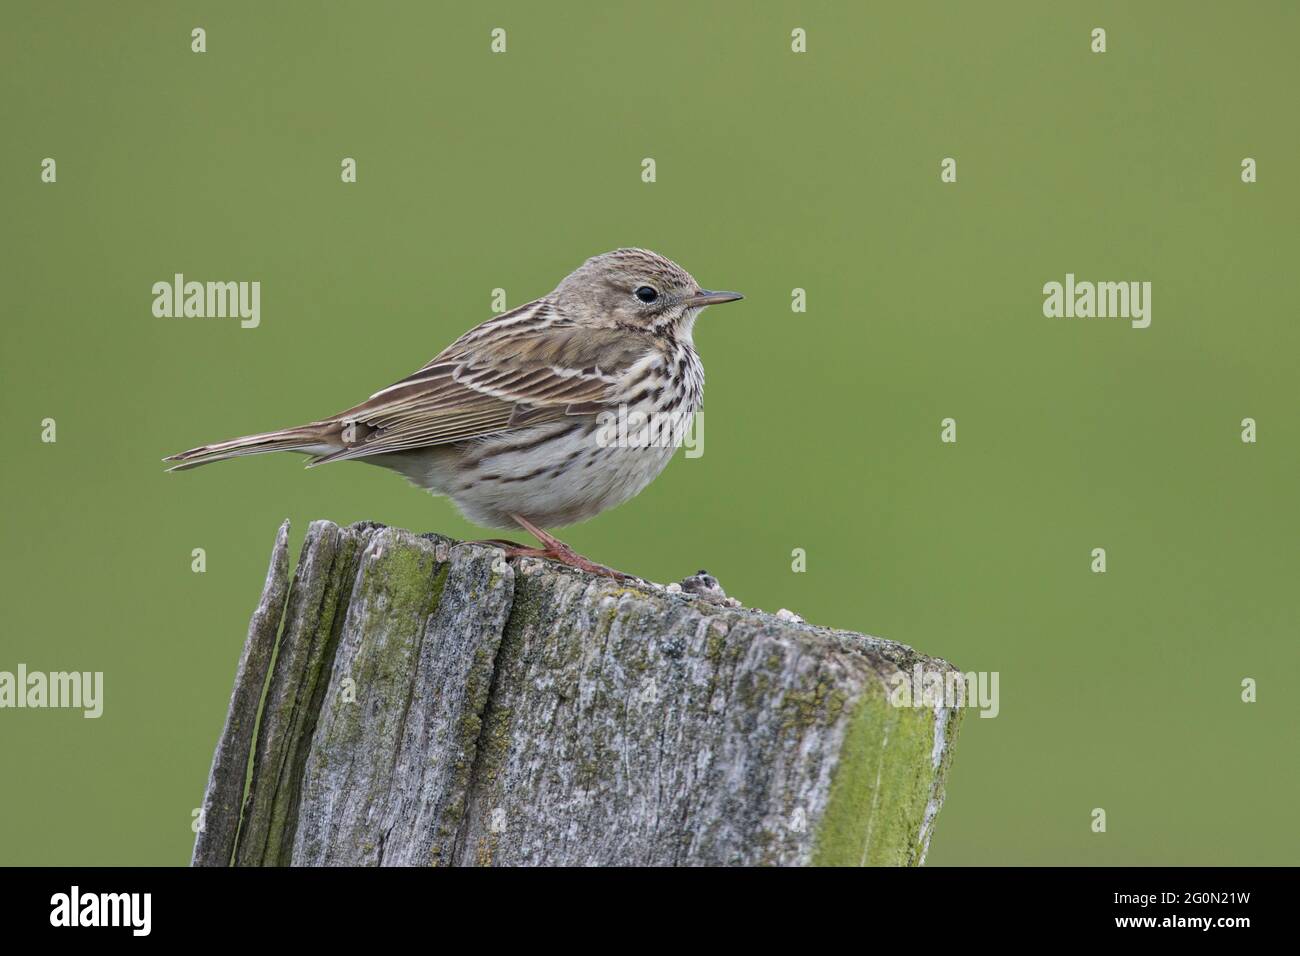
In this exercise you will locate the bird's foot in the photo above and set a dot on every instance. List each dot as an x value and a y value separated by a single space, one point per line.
556 550
567 555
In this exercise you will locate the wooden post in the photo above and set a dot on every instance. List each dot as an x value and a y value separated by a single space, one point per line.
431 703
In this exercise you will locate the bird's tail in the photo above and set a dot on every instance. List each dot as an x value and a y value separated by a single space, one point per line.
313 439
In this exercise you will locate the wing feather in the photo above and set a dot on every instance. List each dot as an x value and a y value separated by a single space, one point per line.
520 368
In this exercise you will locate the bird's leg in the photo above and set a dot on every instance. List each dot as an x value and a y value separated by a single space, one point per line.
557 550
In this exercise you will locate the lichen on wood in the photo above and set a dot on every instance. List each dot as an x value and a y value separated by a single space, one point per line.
431 703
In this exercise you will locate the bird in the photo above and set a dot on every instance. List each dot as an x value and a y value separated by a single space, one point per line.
514 420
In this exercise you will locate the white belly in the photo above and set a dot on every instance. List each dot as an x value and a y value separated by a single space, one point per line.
565 479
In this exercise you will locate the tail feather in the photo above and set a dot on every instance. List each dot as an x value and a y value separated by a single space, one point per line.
310 439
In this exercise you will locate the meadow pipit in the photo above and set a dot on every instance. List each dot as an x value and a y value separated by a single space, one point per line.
505 420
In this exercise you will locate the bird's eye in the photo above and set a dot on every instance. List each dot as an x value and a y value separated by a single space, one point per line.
646 294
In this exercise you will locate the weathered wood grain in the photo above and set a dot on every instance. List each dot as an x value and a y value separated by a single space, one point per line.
219 817
434 704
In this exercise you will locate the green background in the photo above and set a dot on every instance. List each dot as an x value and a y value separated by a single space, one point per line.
775 171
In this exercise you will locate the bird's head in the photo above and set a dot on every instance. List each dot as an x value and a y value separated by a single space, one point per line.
636 288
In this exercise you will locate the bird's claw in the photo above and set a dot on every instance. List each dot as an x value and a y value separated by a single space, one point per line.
566 556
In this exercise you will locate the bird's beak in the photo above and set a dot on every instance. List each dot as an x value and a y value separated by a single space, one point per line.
705 297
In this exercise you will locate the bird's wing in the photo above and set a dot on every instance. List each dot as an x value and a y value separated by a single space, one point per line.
498 376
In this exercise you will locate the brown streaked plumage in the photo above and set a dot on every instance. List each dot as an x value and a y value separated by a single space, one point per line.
504 421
